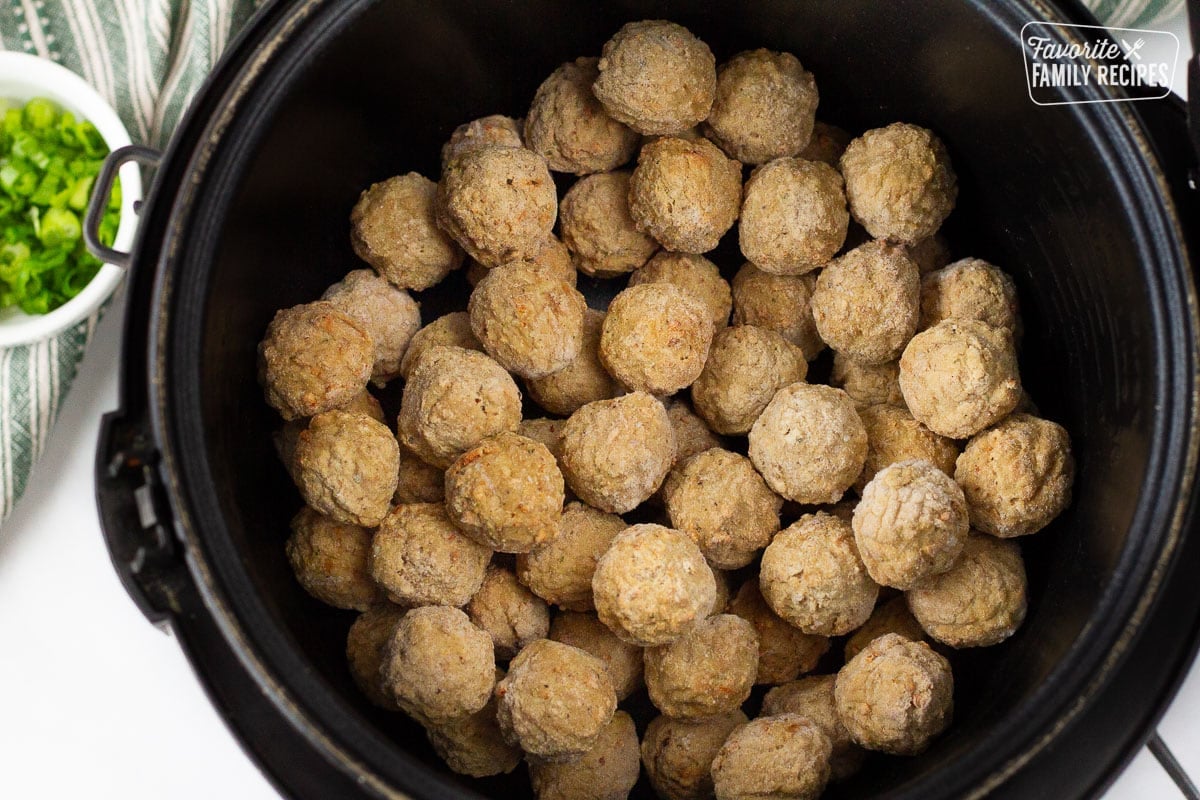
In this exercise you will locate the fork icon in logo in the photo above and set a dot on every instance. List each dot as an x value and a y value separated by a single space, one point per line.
1131 51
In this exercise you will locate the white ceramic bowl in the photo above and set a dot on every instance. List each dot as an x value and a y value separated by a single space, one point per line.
23 77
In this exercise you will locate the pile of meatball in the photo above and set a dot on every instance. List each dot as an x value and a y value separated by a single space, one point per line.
507 605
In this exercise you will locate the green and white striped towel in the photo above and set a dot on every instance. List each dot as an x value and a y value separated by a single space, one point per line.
148 58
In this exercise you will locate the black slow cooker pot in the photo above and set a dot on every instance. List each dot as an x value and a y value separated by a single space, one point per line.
1086 205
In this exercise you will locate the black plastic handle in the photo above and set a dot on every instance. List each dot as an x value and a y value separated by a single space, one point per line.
102 189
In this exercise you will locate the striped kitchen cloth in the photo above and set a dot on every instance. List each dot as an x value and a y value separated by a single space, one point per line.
148 58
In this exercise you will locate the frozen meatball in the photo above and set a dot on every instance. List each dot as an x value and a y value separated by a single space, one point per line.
724 592
450 330
652 585
781 303
615 453
694 274
392 228
506 493
812 697
969 289
911 523
329 559
827 144
553 257
473 745
707 672
930 253
678 754
978 602
438 666
692 435
455 399
893 435
569 128
784 757
812 577
509 613
784 652
960 376
809 443
607 771
499 203
718 499
584 380
597 227
492 130
313 358
622 661
560 570
421 559
1017 476
365 646
655 338
794 217
866 303
417 481
544 430
868 384
388 315
764 108
656 77
895 696
746 366
555 701
528 319
346 467
685 194
365 403
890 617
899 182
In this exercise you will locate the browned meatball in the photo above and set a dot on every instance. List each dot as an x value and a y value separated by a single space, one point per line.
555 701
718 499
781 303
365 645
960 376
893 435
764 107
622 661
809 443
692 435
552 256
597 227
494 129
911 523
694 274
868 384
1017 475
313 358
812 576
890 617
545 430
560 570
656 77
509 613
827 144
607 771
392 228
615 453
388 315
783 757
895 696
438 666
978 602
454 399
450 330
473 745
685 194
784 652
568 127
794 216
329 559
678 754
584 380
286 438
655 338
707 672
346 467
421 559
652 585
499 203
867 302
746 366
899 182
812 698
417 481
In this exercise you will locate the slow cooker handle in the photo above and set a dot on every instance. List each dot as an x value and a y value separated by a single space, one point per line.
102 190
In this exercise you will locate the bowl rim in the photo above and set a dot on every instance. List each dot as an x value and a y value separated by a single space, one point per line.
22 77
